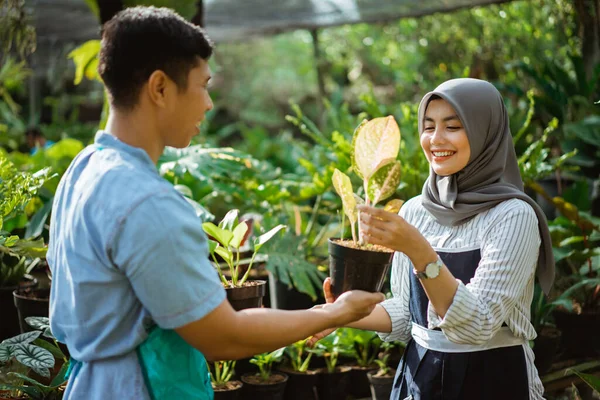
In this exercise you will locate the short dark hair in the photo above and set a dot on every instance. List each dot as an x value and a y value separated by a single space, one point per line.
140 40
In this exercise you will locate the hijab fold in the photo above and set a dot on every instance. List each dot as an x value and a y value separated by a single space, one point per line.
492 173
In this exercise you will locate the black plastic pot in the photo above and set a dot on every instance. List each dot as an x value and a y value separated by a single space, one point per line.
579 333
31 303
352 269
359 382
381 386
231 394
301 385
286 298
247 296
268 391
334 386
10 318
545 348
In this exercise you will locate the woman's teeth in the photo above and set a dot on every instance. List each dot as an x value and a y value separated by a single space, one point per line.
442 153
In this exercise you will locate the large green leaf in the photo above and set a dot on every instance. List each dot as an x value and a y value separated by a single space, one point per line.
23 338
83 56
592 380
230 220
238 234
384 182
376 141
265 237
343 187
220 235
35 357
6 353
37 222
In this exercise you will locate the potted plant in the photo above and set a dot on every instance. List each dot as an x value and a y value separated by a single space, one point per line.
302 381
334 379
353 263
16 253
547 342
364 347
224 388
30 363
226 240
265 385
382 380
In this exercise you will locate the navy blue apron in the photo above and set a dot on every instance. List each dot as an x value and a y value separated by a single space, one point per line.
496 374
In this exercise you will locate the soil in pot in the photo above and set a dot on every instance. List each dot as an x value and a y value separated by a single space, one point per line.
381 385
300 385
256 388
232 390
31 302
352 268
359 382
334 386
545 348
579 333
10 318
248 296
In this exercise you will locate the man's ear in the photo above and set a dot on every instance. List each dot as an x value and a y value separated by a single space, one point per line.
158 88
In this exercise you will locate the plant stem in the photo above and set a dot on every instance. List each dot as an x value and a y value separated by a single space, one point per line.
249 268
219 270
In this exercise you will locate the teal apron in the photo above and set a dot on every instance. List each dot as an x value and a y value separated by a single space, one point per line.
172 368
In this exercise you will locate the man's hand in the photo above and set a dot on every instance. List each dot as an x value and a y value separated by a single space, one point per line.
349 307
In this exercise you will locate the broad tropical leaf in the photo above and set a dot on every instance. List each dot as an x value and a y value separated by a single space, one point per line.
230 220
35 357
238 234
23 338
384 182
6 353
220 235
376 141
343 187
39 323
265 237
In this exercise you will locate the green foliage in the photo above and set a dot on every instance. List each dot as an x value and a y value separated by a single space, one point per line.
17 189
299 355
228 237
30 351
265 361
16 30
330 348
364 344
592 380
221 372
383 357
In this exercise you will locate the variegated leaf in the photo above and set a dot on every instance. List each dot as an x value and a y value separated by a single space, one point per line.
384 182
352 158
6 353
376 141
343 187
39 323
35 357
23 338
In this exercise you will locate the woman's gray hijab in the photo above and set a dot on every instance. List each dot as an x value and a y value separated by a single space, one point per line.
492 173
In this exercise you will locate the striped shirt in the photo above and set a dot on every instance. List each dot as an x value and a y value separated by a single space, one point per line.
501 290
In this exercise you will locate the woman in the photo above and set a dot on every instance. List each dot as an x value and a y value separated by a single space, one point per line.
467 251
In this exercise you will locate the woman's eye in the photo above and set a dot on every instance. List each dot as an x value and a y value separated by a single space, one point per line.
453 128
429 128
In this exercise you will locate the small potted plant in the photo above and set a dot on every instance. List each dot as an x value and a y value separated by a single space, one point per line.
17 254
334 380
265 385
364 347
28 362
302 381
353 263
224 388
226 240
547 342
383 379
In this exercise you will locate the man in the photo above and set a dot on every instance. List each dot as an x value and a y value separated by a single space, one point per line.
133 295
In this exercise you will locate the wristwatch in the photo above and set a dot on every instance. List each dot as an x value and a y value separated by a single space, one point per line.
431 270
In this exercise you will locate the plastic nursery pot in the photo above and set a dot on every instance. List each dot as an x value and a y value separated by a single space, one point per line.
579 333
10 319
354 269
381 386
272 389
300 385
334 386
545 348
31 303
248 296
359 382
232 390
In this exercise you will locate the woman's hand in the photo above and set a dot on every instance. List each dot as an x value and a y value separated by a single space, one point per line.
392 231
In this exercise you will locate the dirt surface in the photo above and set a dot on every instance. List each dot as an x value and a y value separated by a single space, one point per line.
257 380
231 385
368 247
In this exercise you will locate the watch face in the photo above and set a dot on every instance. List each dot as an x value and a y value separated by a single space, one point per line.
432 270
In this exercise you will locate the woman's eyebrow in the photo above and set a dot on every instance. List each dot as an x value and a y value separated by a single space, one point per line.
446 119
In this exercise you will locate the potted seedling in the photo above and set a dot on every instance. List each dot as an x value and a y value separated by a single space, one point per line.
17 253
364 347
383 379
302 381
334 380
28 363
226 240
265 385
224 388
355 264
